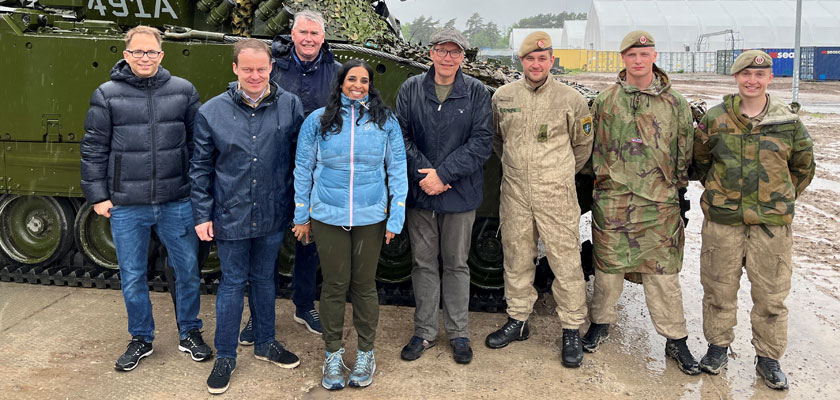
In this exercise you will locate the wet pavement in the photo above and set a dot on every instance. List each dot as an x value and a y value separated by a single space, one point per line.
59 342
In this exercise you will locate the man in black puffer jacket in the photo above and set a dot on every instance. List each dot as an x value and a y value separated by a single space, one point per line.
135 160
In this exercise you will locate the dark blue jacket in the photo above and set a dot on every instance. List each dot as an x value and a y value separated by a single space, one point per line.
454 137
138 138
311 81
241 171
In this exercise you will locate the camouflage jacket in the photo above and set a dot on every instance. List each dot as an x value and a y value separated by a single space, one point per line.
641 154
752 174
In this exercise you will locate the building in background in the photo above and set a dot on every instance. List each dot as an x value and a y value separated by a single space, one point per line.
573 36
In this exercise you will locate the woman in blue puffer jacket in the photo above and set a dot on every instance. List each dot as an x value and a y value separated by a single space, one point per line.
345 152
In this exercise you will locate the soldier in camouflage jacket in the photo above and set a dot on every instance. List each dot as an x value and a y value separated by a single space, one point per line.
754 157
643 142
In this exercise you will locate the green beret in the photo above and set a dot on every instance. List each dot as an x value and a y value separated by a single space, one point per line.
636 39
751 59
535 41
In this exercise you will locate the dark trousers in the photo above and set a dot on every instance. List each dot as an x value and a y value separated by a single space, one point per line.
303 276
348 263
244 261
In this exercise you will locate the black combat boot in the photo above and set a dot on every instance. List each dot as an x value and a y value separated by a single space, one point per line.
572 349
596 334
678 350
771 371
512 330
715 360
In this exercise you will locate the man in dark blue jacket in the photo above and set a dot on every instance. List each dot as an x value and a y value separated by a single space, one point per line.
446 121
241 176
135 155
305 66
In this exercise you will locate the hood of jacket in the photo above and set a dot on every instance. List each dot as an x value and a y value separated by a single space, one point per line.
660 84
121 72
777 111
282 48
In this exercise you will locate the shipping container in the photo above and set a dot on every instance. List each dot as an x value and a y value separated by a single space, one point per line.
782 61
675 61
570 58
806 63
724 61
826 63
705 61
603 61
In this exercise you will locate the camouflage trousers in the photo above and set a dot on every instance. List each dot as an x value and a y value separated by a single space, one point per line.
527 215
726 250
662 294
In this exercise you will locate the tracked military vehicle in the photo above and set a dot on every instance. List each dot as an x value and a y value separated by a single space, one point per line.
54 53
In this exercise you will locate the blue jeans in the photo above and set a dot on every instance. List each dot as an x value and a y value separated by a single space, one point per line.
303 276
244 261
131 228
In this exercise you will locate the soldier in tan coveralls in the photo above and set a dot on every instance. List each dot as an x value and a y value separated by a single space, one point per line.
754 157
643 140
543 135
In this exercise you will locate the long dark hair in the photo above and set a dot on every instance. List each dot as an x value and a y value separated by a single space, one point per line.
331 120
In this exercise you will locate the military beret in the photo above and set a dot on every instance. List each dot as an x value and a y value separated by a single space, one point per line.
535 41
636 39
751 59
449 35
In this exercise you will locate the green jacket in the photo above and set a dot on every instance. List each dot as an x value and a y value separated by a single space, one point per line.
641 154
752 174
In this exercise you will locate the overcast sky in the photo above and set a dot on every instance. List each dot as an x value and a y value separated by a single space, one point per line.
503 12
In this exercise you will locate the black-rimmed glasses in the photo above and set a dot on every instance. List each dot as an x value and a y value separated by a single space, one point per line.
153 54
457 53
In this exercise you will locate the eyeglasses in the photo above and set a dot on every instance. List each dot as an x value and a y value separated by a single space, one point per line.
457 53
153 54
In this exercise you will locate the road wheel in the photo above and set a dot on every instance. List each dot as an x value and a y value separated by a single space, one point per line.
35 230
92 233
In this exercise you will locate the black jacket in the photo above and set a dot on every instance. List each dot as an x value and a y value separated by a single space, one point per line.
241 172
138 138
455 138
311 81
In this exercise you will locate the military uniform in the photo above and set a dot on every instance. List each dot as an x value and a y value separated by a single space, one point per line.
641 155
753 170
543 137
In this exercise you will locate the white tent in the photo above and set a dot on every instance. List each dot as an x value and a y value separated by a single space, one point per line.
573 35
517 35
676 24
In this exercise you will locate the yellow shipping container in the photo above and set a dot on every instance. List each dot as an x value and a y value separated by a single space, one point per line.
570 58
603 61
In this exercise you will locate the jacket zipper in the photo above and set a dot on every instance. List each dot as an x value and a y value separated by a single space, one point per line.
352 146
154 137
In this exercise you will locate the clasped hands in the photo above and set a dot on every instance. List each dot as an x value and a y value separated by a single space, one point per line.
432 184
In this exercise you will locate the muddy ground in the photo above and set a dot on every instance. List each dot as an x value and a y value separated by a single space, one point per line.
58 343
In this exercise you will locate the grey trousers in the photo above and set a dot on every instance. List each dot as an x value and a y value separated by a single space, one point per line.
447 236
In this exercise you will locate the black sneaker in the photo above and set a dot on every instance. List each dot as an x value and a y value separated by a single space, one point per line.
274 352
678 350
137 349
715 360
512 330
195 346
219 379
246 337
595 335
461 351
415 347
572 349
771 371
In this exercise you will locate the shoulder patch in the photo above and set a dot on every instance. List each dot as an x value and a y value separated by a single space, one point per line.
586 125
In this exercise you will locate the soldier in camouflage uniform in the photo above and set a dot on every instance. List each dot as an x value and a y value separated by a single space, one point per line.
543 135
643 140
754 158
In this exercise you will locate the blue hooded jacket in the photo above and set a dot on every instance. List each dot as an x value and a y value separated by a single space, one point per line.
340 180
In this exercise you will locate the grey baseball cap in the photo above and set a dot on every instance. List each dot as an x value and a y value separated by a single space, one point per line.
449 35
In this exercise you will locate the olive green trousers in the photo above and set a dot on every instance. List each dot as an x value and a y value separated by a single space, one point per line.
726 251
348 264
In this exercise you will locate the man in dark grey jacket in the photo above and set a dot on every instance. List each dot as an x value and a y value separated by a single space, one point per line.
241 177
135 157
446 121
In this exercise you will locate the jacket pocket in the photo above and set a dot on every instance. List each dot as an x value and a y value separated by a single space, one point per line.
117 171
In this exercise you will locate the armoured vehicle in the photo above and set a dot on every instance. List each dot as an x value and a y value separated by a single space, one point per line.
56 52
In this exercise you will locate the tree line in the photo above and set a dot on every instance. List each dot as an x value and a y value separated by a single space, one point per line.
481 34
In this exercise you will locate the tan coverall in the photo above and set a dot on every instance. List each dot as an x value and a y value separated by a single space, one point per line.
543 137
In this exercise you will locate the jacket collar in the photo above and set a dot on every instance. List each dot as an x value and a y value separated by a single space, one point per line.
282 49
459 87
549 82
660 83
235 94
121 72
777 111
